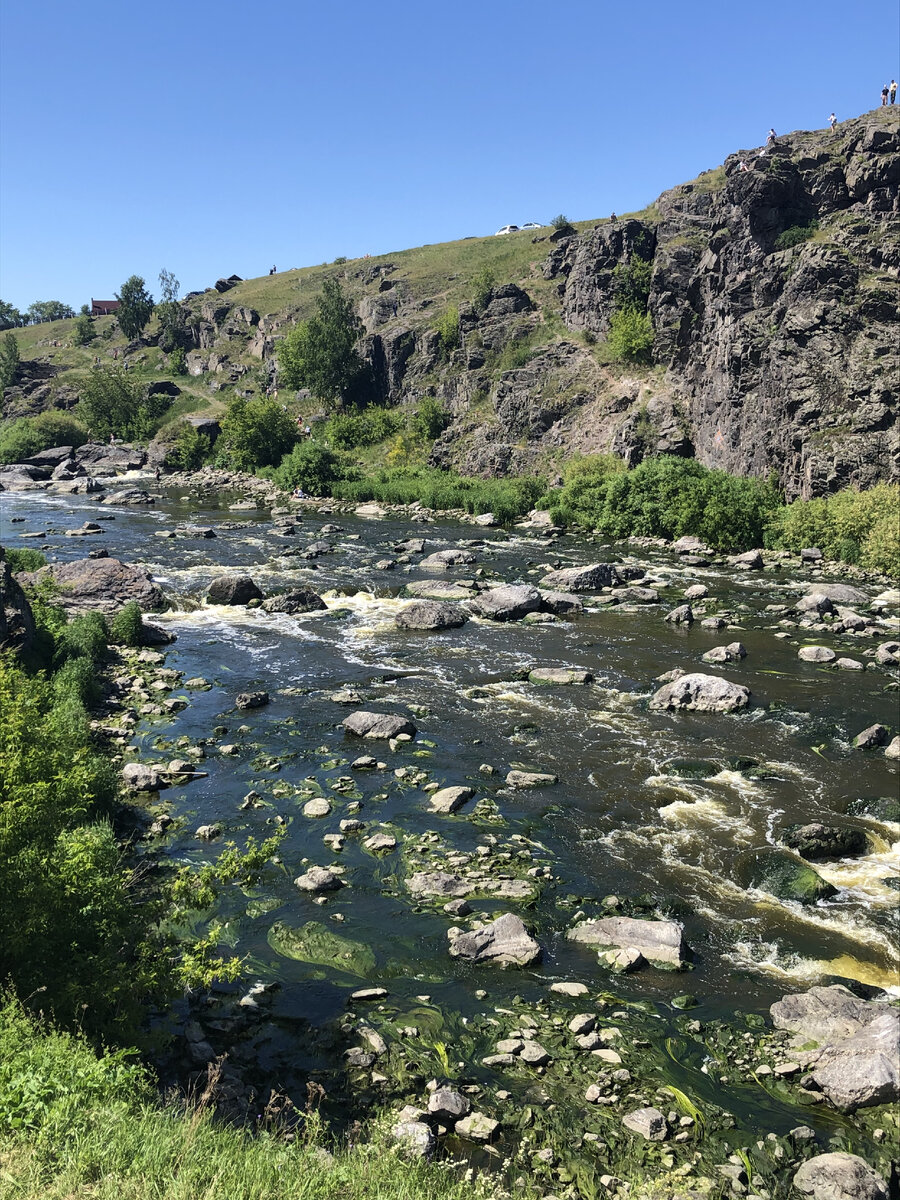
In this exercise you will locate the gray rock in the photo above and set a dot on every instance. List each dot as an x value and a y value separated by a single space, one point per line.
560 603
138 777
888 653
504 941
864 1069
815 840
298 600
380 843
251 699
591 578
533 1053
697 591
892 749
208 833
733 652
649 1123
448 1106
839 1176
816 654
378 725
477 1127
637 595
559 675
816 602
842 593
449 799
431 615
232 589
682 615
824 1014
658 941
415 1138
875 735
104 585
751 560
437 883
318 879
438 589
701 693
507 603
530 779
442 559
811 554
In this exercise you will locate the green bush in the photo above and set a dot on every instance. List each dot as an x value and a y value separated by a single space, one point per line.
114 403
430 419
191 448
84 330
178 361
562 224
76 681
84 636
447 326
482 286
347 430
321 353
630 335
25 560
631 283
852 526
310 466
795 235
255 433
127 626
28 436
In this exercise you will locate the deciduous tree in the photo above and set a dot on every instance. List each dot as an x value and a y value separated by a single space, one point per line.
321 354
135 306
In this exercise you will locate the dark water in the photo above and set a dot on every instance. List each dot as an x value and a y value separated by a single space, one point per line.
619 821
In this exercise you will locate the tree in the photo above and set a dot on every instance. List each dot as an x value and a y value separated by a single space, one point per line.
111 403
257 432
9 360
10 317
135 306
48 310
84 330
174 333
321 353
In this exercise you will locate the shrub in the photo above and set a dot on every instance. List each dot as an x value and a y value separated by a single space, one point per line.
25 560
19 440
631 283
191 448
126 627
630 335
9 360
85 636
430 419
76 681
795 235
256 433
367 428
482 287
506 498
447 326
59 429
84 330
309 466
562 224
30 435
178 361
855 527
114 403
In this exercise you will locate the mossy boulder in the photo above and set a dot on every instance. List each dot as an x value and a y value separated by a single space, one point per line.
787 877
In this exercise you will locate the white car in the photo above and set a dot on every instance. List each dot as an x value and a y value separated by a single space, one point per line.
531 225
506 229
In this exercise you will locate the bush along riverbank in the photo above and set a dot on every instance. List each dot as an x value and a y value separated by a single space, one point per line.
578 1093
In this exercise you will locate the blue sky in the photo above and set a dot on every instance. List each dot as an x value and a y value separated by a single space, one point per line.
218 138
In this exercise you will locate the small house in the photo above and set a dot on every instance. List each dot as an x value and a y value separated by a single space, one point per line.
102 308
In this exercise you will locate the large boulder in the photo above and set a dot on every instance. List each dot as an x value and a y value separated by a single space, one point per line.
436 589
825 841
378 725
442 559
504 941
789 878
102 459
431 615
660 942
299 600
701 693
232 589
508 602
591 578
839 1176
101 584
824 1014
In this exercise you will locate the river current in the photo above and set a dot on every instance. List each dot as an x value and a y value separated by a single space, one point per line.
661 809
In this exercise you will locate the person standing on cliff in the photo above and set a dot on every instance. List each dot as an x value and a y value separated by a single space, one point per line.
884 95
832 121
770 140
893 90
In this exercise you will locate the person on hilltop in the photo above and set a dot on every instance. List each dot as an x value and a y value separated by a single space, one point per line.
613 217
770 140
884 95
832 121
742 166
893 90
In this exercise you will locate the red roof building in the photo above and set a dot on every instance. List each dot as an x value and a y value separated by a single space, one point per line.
102 308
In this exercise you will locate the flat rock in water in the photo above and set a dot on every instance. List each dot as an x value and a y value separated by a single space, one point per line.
816 654
504 941
559 675
567 988
637 595
477 1127
824 1014
319 806
507 603
437 883
875 735
378 725
441 560
449 799
701 693
865 1069
437 589
431 615
841 593
649 1123
101 584
560 603
530 779
380 843
839 1176
658 941
591 578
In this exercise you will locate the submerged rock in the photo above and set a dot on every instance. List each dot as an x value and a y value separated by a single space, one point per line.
530 779
825 841
378 725
701 693
559 675
251 699
477 1127
660 942
839 1176
316 943
787 877
504 941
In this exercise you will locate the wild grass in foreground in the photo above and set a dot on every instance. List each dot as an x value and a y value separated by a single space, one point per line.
75 1124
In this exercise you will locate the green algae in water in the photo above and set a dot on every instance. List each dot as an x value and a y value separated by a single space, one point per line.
788 878
314 943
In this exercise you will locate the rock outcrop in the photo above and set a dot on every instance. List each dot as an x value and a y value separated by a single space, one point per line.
100 584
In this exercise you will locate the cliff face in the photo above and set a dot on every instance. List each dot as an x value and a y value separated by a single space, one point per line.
773 360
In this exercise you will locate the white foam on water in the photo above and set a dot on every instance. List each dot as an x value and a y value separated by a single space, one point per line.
704 810
768 958
864 877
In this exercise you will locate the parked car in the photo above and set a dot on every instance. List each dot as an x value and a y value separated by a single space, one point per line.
506 229
531 225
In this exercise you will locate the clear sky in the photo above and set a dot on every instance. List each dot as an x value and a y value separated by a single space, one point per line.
212 138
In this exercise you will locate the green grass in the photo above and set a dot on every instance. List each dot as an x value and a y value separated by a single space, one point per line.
75 1124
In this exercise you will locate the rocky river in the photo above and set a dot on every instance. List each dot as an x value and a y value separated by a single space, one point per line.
668 855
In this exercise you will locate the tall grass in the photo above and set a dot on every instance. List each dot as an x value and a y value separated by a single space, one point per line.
506 498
